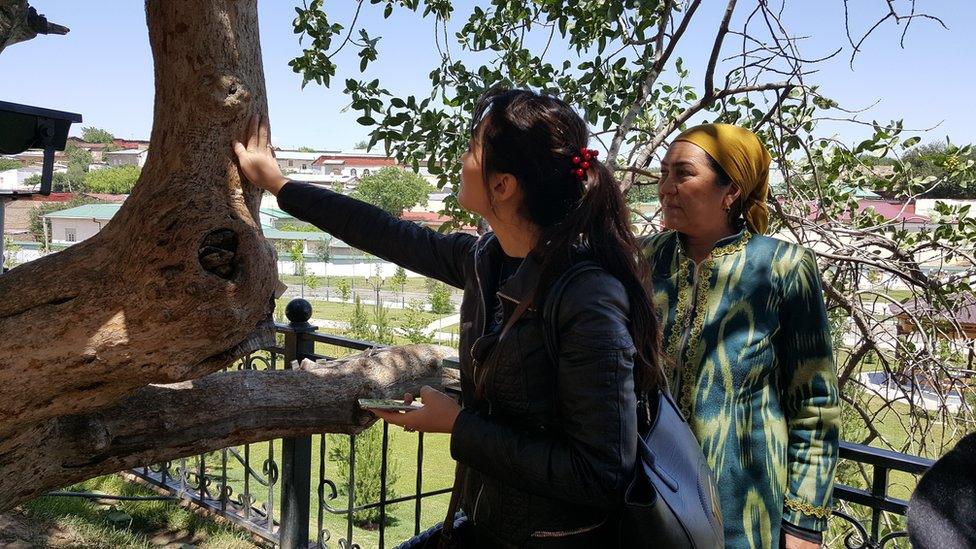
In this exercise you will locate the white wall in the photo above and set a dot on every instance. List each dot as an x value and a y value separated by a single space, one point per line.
345 269
9 180
84 228
926 206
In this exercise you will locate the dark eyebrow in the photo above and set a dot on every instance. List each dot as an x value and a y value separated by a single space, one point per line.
678 163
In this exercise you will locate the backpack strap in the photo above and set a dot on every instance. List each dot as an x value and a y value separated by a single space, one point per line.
550 332
550 311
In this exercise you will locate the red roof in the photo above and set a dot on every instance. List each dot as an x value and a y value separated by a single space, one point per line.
112 198
53 197
131 143
889 210
433 219
426 217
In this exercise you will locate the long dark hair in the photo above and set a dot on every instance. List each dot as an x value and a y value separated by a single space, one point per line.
535 137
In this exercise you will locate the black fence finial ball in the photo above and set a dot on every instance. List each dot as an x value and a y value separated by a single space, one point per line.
298 311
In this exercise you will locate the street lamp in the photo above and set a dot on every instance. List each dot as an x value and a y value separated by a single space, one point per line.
25 127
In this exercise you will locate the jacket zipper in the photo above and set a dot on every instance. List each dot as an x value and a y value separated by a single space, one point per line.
567 533
477 500
484 319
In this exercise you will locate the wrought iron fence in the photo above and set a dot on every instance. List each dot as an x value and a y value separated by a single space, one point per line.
266 487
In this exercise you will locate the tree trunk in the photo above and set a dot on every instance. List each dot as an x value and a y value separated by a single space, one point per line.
181 281
165 422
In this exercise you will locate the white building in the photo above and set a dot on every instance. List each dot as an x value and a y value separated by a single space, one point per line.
126 157
79 223
15 179
291 161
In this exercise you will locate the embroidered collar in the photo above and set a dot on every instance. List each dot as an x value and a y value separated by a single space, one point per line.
727 246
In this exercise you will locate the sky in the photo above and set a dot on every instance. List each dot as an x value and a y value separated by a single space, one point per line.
103 67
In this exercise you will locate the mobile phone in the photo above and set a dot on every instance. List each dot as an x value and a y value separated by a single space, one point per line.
389 404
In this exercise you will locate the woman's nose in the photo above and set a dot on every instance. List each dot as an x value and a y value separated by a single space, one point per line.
665 186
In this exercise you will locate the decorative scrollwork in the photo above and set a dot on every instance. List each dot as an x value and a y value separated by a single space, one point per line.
247 467
270 469
859 538
245 500
248 362
226 491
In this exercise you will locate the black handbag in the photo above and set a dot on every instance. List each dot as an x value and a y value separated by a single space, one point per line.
672 501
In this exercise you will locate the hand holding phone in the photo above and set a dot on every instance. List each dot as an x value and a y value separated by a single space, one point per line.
389 404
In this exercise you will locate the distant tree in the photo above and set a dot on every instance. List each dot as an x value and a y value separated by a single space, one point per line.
96 135
342 285
60 183
382 329
296 252
367 484
9 250
946 165
399 278
9 164
323 251
299 227
79 160
309 280
305 149
871 160
440 299
359 321
118 180
393 189
361 145
413 327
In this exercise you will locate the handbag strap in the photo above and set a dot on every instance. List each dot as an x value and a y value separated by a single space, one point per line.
447 531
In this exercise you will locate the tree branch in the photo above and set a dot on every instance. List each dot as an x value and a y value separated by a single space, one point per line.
164 422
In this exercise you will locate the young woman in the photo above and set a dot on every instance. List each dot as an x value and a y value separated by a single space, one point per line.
547 448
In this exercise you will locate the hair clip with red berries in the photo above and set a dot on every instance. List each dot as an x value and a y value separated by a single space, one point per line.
582 162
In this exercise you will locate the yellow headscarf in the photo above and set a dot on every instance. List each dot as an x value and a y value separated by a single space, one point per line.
745 159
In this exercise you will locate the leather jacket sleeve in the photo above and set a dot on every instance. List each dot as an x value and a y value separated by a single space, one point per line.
368 228
591 456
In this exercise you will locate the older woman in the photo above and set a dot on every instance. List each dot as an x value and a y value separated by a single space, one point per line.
746 340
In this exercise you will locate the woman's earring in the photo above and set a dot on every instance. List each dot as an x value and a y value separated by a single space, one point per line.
728 209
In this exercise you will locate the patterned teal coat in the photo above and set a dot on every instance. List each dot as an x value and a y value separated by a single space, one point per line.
749 360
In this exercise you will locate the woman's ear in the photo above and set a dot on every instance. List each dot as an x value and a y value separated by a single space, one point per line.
731 196
504 187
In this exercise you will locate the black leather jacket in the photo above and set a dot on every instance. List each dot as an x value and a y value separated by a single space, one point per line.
550 447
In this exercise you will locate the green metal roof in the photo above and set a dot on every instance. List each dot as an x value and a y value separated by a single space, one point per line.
102 212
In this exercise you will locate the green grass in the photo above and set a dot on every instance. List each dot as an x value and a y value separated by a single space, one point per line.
80 522
413 284
342 312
